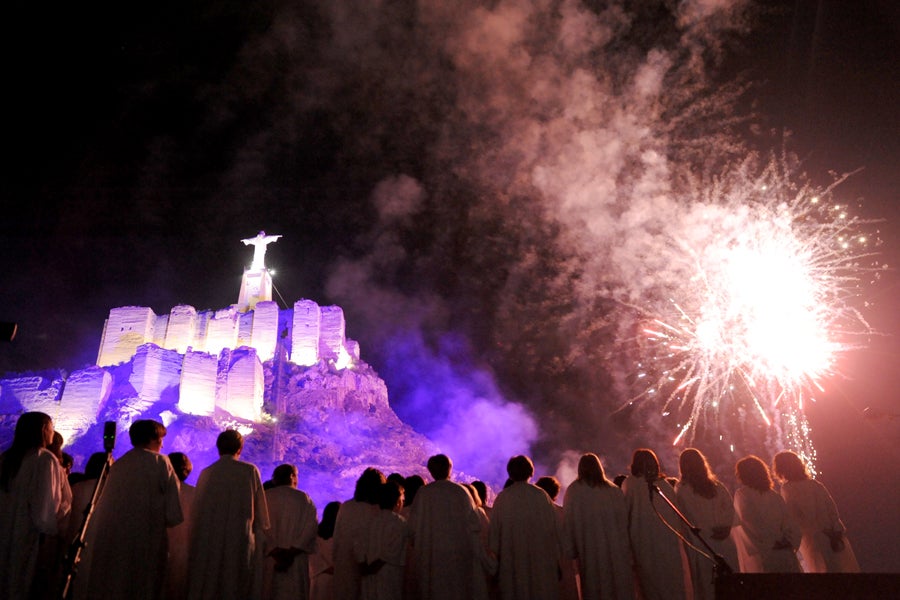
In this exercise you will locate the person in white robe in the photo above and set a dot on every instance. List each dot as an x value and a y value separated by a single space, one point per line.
655 547
568 574
83 491
177 568
767 537
291 538
445 529
224 537
595 533
126 540
321 562
708 505
411 486
525 537
351 534
824 547
53 547
31 500
386 553
485 585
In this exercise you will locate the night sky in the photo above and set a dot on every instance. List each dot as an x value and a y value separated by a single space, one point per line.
460 177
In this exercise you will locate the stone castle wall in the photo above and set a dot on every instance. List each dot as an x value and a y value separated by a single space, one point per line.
198 361
208 360
316 332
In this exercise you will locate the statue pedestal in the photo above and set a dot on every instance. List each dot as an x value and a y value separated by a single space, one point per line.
256 286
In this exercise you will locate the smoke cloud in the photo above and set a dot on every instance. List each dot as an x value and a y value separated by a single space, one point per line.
536 206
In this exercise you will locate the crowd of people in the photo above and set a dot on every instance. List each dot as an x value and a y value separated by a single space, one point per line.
148 534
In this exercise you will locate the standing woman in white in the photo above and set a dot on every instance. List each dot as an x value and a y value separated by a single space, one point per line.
708 505
656 548
824 548
595 533
31 502
767 538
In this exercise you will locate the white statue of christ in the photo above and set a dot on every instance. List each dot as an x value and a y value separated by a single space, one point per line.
259 249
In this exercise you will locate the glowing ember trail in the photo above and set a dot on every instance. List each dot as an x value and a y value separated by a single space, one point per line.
757 308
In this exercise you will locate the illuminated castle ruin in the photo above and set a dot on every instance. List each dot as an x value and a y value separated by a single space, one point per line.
216 356
288 379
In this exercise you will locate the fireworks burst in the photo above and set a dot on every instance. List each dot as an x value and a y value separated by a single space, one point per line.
756 310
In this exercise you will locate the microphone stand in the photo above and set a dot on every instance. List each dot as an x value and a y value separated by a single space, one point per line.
721 567
73 556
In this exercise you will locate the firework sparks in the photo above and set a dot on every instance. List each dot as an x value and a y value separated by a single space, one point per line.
757 309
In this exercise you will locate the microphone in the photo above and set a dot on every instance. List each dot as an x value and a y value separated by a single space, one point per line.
109 436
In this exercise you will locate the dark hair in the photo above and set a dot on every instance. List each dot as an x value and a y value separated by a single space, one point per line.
367 486
282 475
549 484
590 471
388 494
144 431
229 442
68 461
696 473
181 464
56 446
481 488
411 485
788 466
520 468
329 516
473 493
645 464
94 466
29 435
753 472
440 466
